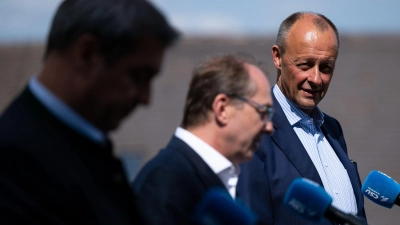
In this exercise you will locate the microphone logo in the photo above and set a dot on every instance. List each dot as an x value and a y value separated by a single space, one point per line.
384 199
372 193
301 208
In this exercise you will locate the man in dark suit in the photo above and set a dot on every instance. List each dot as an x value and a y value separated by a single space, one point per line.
56 161
306 142
228 107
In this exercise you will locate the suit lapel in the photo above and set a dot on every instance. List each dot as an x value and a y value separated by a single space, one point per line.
336 147
288 142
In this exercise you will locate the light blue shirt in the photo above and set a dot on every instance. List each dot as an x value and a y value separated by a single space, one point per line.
64 113
334 176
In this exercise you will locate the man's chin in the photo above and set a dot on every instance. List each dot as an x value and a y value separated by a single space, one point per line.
306 105
254 146
116 123
249 156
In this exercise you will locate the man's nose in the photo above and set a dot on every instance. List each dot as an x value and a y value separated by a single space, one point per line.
145 94
142 94
268 128
315 75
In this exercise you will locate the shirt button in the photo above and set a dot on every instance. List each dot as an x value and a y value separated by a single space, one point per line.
336 192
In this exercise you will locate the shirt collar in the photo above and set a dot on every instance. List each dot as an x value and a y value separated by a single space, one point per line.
64 113
293 113
211 157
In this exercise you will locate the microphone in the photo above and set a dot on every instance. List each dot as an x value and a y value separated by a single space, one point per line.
217 207
381 189
310 201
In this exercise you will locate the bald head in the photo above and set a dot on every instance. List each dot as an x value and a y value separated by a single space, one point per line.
316 20
310 29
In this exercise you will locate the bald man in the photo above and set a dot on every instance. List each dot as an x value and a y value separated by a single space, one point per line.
307 142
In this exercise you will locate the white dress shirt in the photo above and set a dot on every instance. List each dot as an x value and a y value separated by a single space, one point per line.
333 175
222 167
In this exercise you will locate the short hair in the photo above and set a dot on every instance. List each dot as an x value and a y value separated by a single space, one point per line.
223 74
118 24
320 21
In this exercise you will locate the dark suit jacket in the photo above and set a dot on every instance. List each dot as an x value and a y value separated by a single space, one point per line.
279 160
49 174
171 185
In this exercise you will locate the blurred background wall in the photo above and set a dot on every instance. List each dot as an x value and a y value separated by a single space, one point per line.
363 94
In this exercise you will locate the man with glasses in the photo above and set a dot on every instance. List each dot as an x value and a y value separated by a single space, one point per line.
228 108
306 142
266 112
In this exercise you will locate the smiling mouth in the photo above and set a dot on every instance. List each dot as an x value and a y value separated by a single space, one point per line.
311 92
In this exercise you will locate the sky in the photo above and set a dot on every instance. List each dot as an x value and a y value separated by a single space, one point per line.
29 20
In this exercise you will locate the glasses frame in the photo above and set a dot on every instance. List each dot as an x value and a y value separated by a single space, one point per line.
266 112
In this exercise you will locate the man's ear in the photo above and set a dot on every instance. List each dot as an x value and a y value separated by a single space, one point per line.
86 53
276 56
220 109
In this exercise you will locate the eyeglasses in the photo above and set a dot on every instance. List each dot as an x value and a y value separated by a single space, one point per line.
266 112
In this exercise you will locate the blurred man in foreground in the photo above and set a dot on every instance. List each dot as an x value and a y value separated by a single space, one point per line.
228 108
56 161
307 142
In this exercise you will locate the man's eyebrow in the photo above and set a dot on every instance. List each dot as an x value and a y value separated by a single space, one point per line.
330 61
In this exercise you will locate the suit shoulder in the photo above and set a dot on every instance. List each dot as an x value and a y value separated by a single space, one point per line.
168 164
329 118
166 158
19 124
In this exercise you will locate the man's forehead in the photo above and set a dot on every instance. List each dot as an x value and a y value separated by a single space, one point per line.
310 27
311 35
305 35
